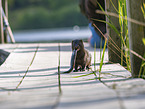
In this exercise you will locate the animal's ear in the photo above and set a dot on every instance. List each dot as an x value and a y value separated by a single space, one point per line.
81 40
72 45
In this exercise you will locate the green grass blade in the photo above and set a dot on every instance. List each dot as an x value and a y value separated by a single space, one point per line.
111 25
143 40
143 9
102 59
114 6
95 57
101 48
83 75
59 81
142 69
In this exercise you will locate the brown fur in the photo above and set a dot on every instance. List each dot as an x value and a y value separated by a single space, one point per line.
83 58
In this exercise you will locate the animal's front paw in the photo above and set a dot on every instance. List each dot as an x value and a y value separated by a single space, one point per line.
88 68
75 70
83 70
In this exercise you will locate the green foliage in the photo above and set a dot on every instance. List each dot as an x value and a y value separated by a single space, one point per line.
123 33
122 11
143 40
102 58
142 69
33 14
143 9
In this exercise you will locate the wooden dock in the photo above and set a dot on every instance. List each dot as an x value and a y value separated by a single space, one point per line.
29 80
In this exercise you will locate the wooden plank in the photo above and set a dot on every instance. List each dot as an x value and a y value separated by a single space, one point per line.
1 22
130 91
136 34
41 79
16 64
8 26
9 47
84 92
5 7
36 81
114 54
32 68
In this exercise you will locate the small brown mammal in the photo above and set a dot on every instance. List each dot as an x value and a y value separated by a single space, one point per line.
80 57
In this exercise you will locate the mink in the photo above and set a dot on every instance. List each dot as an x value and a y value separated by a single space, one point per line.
80 58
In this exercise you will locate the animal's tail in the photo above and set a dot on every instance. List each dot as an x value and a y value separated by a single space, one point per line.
73 58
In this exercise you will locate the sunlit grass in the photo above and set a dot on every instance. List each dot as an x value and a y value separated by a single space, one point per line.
123 34
143 9
102 58
142 68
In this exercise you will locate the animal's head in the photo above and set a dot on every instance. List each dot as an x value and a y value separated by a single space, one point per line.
77 45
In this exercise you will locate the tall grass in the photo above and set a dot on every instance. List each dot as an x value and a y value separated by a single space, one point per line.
143 9
59 81
102 58
95 57
142 68
143 62
123 32
122 12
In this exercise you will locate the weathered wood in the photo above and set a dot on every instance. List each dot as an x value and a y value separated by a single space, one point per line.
130 91
136 33
5 7
8 27
34 68
39 88
1 24
114 54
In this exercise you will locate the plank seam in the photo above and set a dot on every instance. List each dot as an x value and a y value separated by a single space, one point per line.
28 68
117 94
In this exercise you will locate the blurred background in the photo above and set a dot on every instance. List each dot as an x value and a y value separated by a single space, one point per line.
47 20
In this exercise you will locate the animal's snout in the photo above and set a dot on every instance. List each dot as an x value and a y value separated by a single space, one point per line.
77 47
